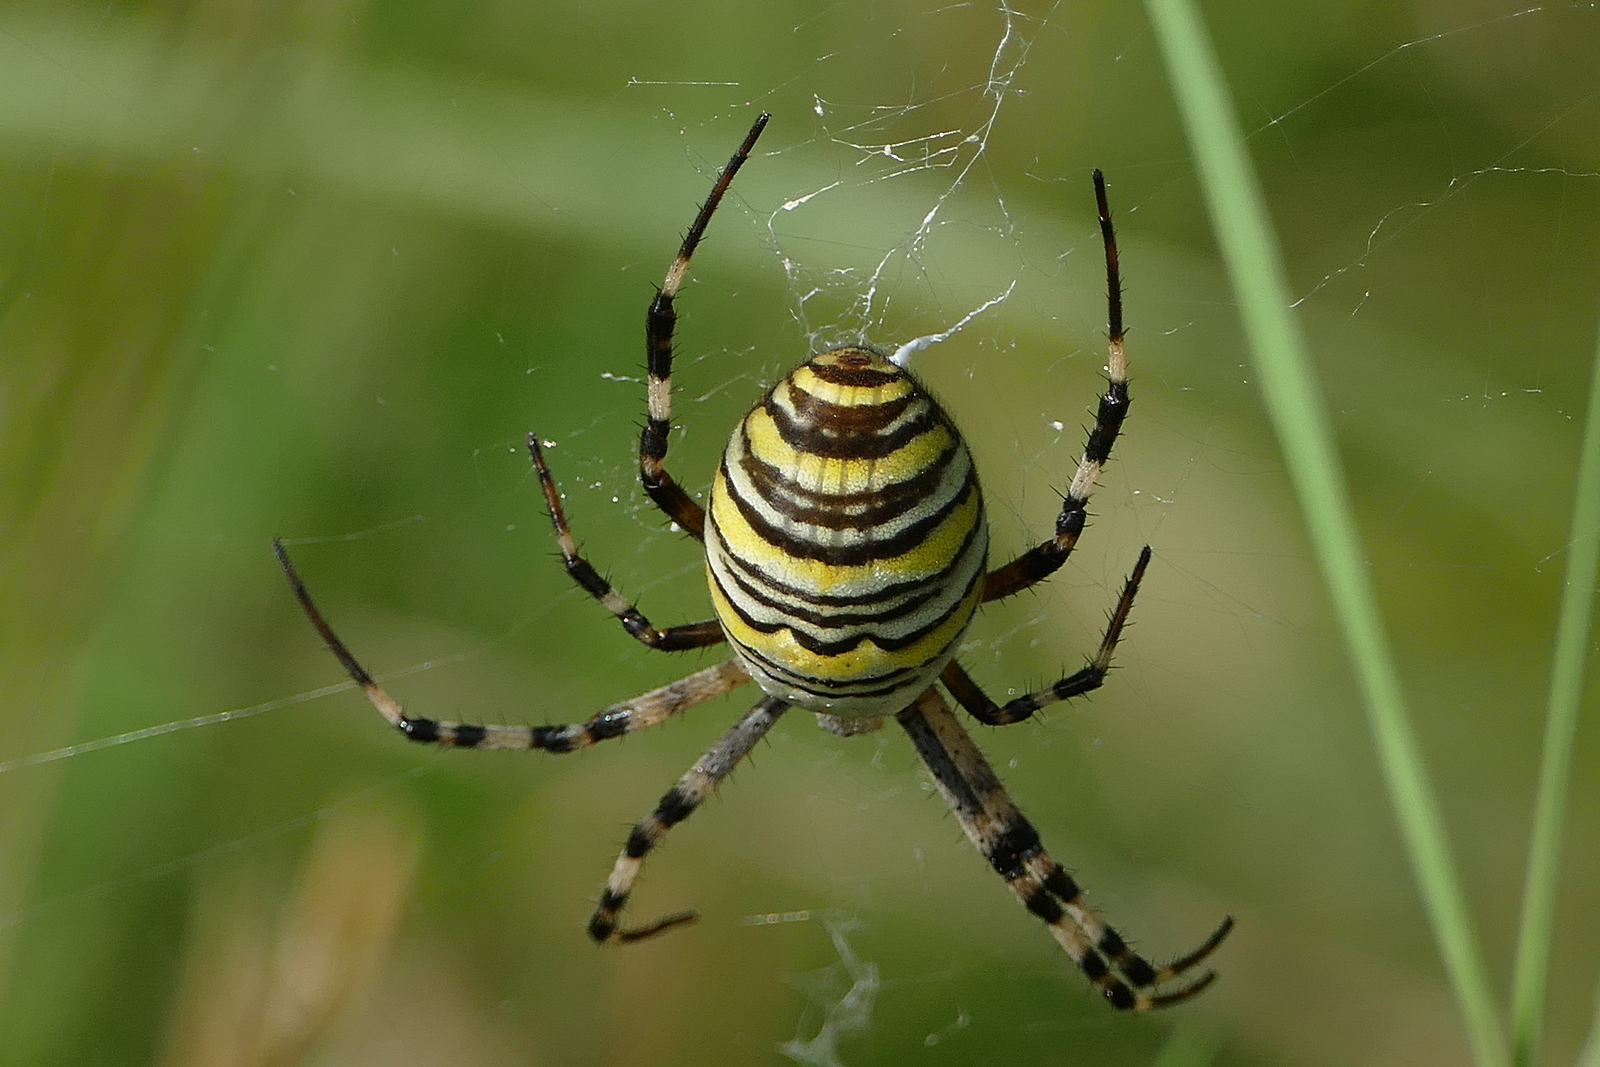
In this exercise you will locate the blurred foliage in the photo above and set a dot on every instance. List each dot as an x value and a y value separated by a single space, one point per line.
313 270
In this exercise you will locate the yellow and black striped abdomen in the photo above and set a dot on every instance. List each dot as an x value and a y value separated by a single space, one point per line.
846 540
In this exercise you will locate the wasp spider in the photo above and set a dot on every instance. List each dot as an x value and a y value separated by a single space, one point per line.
846 548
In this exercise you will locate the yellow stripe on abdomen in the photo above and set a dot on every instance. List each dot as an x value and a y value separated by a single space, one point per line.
846 538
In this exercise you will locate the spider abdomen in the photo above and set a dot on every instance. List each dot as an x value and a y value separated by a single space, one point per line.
846 539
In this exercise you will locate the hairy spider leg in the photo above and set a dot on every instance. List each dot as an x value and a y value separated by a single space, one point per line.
676 805
999 831
1046 558
986 711
660 322
651 708
672 639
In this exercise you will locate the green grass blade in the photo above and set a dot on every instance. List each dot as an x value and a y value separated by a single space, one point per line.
1561 724
1294 404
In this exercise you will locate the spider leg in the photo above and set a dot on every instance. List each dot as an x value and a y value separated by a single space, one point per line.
660 322
1045 559
996 828
676 805
672 639
986 711
651 708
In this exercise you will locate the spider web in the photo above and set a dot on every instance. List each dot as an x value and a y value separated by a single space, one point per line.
941 211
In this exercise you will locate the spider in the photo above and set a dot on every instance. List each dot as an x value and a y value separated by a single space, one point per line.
846 551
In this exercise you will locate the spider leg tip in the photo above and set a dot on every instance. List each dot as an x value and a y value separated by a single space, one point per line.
1222 931
1194 988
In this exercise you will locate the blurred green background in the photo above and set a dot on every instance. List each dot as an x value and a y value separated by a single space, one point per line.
313 270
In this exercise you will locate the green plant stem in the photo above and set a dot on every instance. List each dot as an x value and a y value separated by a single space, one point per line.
1561 725
1293 401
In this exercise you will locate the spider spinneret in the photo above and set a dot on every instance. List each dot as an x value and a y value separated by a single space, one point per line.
846 552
